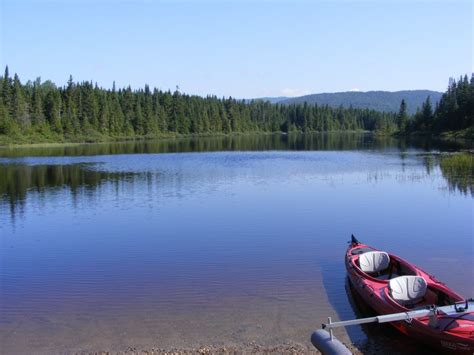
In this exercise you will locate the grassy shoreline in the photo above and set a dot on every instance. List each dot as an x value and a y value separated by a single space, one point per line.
42 142
31 141
8 142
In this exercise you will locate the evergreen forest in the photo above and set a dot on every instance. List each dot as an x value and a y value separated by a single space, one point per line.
453 112
43 112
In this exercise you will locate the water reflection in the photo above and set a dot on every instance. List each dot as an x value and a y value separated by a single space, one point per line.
16 181
458 170
258 142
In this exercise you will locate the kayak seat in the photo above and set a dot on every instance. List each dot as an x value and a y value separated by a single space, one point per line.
408 290
374 261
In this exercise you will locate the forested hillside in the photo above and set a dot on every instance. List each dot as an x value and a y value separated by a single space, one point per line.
453 112
41 111
386 101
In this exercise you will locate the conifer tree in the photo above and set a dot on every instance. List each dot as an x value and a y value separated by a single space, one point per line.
37 114
19 106
53 111
6 89
402 118
427 114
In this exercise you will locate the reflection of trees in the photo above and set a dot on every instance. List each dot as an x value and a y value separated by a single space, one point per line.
248 142
458 170
257 142
17 180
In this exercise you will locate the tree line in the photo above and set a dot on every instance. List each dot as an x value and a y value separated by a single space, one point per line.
45 111
453 112
42 111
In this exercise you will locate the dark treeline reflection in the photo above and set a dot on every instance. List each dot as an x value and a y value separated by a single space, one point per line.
16 181
257 142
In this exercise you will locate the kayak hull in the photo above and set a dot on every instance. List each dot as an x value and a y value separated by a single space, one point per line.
449 333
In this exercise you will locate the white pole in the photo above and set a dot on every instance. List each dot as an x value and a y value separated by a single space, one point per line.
330 329
431 311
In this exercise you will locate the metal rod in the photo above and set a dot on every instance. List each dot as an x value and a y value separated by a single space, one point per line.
350 322
330 329
431 311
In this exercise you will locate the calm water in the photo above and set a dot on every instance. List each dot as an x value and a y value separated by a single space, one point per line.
223 241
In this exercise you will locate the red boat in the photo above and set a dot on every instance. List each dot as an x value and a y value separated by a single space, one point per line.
389 284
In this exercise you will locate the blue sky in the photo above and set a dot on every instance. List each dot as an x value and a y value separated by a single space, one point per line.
241 48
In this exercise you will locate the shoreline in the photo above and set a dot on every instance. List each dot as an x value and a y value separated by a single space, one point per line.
369 348
451 136
125 139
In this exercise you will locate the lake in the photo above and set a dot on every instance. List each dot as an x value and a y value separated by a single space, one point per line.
233 242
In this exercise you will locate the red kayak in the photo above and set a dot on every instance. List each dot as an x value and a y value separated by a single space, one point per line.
389 284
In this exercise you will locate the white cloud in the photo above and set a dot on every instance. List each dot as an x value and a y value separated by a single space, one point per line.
294 92
355 89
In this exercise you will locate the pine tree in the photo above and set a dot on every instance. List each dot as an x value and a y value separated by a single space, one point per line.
37 114
179 120
7 126
104 114
53 111
116 121
71 123
402 117
6 90
139 121
427 115
19 106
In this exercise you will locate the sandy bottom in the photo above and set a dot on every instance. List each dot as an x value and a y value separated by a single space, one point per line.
248 323
266 321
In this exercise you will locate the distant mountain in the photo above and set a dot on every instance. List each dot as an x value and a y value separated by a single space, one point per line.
272 100
388 101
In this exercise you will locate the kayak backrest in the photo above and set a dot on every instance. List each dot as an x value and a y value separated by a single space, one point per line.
407 290
374 261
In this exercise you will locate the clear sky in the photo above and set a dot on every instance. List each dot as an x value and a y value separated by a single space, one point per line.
241 48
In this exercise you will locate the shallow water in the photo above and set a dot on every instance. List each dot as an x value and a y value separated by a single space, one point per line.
135 248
